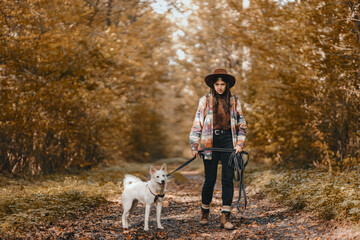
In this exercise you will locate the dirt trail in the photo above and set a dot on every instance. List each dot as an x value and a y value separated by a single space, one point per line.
262 219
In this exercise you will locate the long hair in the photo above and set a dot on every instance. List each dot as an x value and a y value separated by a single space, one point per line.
226 96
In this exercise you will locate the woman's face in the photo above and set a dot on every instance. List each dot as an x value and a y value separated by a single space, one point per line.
220 86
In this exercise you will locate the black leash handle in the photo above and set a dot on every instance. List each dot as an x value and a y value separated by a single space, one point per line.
237 161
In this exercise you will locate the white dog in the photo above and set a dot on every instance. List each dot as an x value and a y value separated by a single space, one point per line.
136 190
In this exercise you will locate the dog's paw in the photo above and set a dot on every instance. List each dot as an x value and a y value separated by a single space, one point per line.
146 229
160 227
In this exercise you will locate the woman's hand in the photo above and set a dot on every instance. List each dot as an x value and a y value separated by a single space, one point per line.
194 153
238 149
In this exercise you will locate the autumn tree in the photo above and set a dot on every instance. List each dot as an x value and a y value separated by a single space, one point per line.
74 76
296 65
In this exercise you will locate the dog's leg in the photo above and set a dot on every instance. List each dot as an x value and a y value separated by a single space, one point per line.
127 206
133 206
158 213
124 220
147 213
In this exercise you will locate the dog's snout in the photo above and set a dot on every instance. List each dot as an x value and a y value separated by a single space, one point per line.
162 181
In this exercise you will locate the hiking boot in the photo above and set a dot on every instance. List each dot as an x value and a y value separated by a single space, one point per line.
204 216
225 221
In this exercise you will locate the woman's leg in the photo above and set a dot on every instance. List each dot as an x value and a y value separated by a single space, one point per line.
210 179
227 173
210 173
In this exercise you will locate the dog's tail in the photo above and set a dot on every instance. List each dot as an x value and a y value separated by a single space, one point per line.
130 179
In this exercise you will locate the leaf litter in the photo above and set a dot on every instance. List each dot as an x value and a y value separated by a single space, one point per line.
88 206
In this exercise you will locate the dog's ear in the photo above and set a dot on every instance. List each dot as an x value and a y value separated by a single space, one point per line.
152 170
163 167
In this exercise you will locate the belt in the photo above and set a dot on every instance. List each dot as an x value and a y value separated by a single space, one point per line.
220 131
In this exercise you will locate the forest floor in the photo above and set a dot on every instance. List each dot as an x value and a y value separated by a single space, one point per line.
263 219
88 206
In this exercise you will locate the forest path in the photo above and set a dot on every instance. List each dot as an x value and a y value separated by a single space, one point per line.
263 219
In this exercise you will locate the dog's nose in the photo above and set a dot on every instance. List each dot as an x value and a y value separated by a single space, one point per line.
162 181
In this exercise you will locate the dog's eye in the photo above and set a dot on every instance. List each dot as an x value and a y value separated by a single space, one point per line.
157 176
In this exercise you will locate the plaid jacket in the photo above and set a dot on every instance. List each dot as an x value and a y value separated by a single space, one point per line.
203 124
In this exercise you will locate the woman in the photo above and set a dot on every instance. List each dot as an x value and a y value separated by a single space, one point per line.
219 122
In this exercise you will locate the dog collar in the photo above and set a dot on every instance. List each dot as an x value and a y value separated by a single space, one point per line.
156 196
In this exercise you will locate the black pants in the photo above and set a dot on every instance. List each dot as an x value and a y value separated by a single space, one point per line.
219 141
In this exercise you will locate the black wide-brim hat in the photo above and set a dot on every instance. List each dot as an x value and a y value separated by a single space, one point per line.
219 72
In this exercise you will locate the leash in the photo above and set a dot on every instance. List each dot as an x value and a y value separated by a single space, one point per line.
200 153
182 165
236 161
